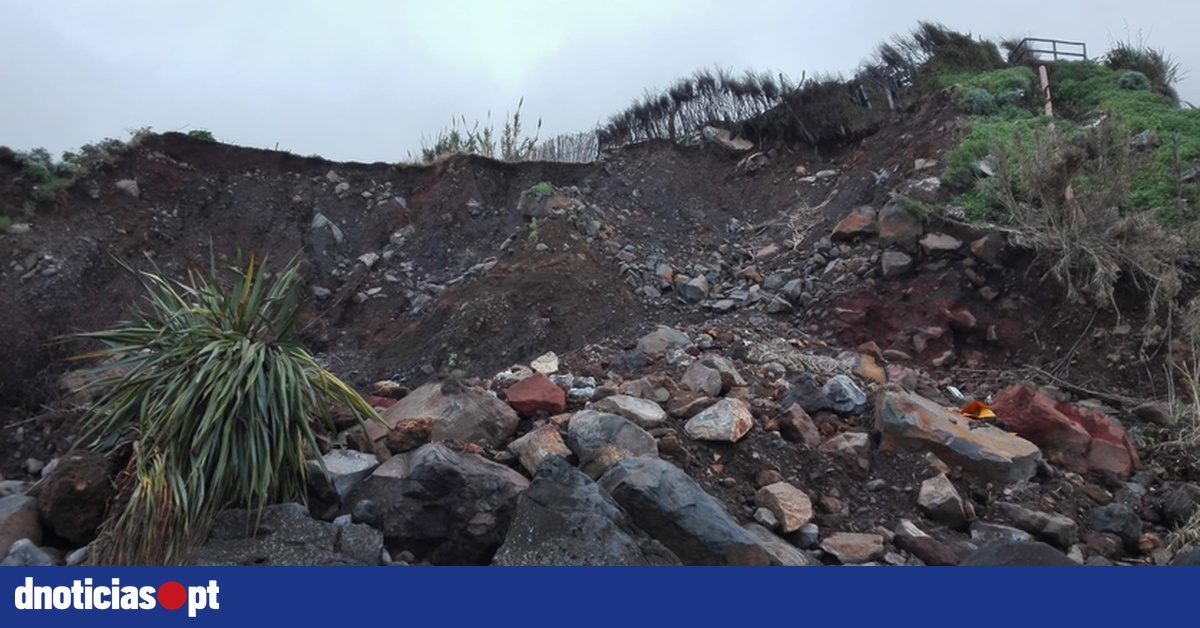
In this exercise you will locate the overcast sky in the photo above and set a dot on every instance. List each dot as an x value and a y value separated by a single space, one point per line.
356 80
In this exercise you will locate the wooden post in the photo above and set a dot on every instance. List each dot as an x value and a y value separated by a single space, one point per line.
1069 193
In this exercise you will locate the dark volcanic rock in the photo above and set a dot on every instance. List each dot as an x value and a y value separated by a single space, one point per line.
1014 553
454 507
74 500
564 518
666 503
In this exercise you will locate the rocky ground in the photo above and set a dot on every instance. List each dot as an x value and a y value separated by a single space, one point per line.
678 355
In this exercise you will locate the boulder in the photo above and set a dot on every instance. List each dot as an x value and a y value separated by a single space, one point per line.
1057 530
911 422
662 339
565 519
797 427
286 536
859 223
989 247
726 421
701 378
1077 438
983 532
347 469
601 439
940 243
1017 553
940 501
730 378
844 396
536 395
900 226
453 508
929 550
895 263
538 445
459 413
791 506
1121 520
645 413
673 509
25 553
782 553
74 500
853 447
852 548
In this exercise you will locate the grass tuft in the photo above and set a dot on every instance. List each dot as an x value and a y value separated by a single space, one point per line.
217 401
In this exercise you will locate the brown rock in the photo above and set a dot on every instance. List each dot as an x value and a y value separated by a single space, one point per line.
1104 544
797 427
684 404
409 434
790 505
853 548
860 222
768 476
536 395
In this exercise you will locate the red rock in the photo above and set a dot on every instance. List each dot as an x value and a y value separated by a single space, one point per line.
1111 449
536 395
1078 438
1026 410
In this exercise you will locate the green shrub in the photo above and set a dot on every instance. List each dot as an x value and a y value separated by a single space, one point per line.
202 134
1159 68
1134 80
216 398
979 102
977 205
541 189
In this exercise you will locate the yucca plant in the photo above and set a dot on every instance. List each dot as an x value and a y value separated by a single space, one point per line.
217 400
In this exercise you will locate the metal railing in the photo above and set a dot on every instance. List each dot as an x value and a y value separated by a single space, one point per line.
1028 50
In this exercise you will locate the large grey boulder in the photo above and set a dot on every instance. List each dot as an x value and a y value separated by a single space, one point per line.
673 509
452 507
565 519
910 422
459 413
287 536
